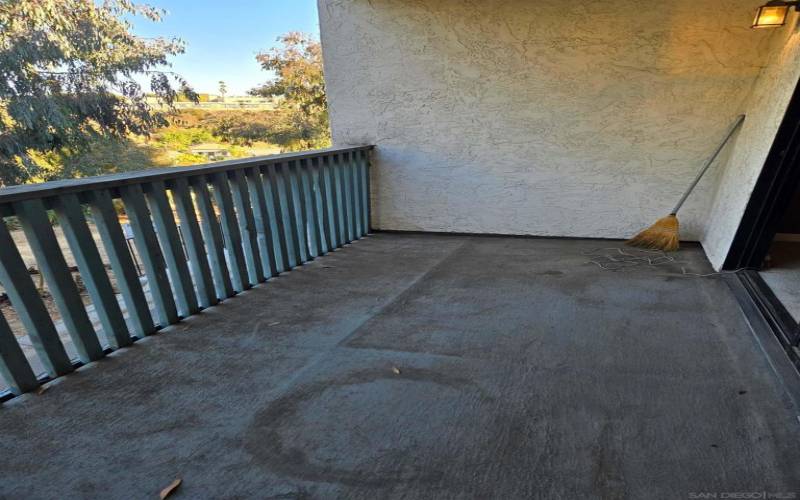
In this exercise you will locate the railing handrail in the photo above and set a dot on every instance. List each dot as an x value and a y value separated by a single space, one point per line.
24 192
201 234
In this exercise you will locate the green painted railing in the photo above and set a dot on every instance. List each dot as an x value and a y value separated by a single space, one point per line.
238 224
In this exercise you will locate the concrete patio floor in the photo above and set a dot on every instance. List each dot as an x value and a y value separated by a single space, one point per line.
421 366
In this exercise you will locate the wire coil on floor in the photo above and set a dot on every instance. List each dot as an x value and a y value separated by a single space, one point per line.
617 259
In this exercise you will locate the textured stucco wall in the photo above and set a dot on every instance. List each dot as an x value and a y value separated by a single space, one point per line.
765 108
538 117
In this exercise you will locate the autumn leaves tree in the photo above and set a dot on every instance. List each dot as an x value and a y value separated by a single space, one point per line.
299 86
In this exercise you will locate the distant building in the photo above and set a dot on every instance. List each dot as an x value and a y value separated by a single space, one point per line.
211 151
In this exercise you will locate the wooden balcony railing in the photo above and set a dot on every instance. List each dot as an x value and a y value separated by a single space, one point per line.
238 223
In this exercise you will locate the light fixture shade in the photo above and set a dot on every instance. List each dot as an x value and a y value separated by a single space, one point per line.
771 16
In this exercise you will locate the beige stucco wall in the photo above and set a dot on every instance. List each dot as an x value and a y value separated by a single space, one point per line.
538 117
765 108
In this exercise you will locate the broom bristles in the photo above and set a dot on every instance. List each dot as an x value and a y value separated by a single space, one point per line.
663 235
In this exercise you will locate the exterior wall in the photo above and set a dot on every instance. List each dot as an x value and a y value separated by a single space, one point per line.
765 108
538 117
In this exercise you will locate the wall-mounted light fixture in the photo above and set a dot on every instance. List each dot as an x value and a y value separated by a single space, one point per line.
773 13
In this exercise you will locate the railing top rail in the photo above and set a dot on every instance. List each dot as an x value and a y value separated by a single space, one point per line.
54 188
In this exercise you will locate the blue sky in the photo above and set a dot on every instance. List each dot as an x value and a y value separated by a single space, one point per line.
223 36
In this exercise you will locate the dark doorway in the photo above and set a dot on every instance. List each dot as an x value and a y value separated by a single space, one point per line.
770 266
772 195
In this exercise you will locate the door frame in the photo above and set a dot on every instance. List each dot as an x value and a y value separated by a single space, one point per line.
777 183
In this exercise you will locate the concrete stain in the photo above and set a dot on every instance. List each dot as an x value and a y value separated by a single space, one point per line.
268 446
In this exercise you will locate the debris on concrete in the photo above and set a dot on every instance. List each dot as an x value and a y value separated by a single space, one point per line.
169 490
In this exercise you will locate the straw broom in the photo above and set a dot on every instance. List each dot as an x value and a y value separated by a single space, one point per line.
663 235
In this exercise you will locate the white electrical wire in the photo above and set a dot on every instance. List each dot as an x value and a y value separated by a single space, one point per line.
619 259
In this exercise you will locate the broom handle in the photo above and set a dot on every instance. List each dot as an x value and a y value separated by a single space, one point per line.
703 170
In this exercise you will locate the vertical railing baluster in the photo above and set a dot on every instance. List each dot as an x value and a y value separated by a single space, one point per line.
273 216
91 268
14 366
315 179
167 230
342 186
347 195
357 218
107 223
247 224
150 252
258 200
365 179
352 195
354 179
357 196
336 191
298 202
42 241
341 182
327 205
330 192
213 237
193 239
230 229
276 216
309 205
289 215
29 306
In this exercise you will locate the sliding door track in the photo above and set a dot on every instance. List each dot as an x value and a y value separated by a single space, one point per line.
776 331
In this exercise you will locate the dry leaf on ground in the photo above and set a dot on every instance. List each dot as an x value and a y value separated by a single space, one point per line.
169 490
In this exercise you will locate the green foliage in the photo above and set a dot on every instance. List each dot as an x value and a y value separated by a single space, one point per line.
242 128
283 127
242 132
189 159
180 139
100 156
67 71
70 106
303 122
239 152
108 156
